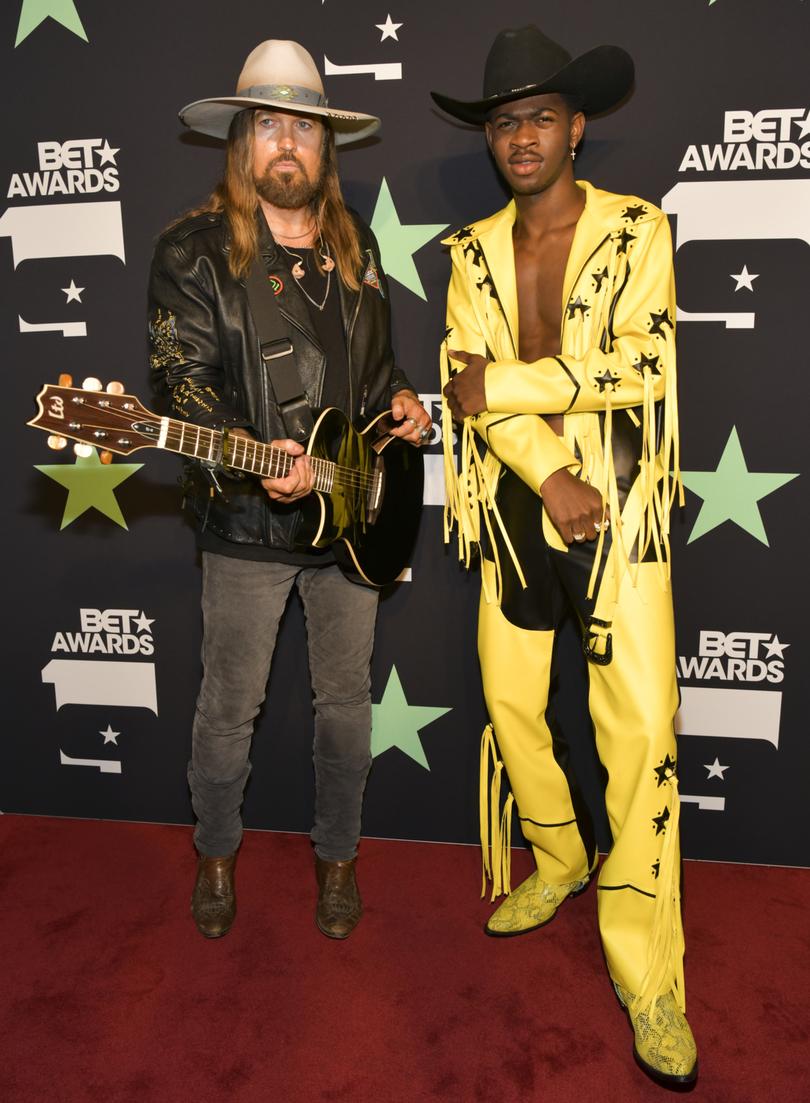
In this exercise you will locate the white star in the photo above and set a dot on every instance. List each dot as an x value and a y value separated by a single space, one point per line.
389 29
110 736
775 648
106 155
804 126
143 622
744 279
715 769
74 293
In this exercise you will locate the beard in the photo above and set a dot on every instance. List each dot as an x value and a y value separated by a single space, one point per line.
290 190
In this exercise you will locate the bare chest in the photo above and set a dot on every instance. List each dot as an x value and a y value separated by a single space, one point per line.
540 273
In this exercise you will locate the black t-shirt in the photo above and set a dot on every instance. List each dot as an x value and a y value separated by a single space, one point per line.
322 296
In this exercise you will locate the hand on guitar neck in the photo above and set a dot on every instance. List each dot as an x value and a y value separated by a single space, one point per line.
300 480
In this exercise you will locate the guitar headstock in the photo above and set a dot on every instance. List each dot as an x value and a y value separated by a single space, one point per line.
106 419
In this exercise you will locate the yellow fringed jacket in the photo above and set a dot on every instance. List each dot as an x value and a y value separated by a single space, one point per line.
617 361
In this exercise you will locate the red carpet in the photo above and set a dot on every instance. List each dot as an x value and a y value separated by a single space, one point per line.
110 995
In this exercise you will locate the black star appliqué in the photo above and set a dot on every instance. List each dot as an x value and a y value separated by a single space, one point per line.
659 320
625 237
606 380
448 333
465 231
598 278
661 822
474 248
577 305
656 868
486 281
634 212
665 771
650 362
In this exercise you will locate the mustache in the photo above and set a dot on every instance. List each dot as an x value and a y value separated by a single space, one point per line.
281 159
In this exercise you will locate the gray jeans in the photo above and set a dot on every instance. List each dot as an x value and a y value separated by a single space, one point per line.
242 604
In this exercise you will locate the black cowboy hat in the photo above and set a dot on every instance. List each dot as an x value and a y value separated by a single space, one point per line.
525 62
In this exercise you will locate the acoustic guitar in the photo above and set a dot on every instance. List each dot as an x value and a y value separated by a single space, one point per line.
368 484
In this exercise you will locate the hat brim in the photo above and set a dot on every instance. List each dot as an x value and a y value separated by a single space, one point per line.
213 116
600 78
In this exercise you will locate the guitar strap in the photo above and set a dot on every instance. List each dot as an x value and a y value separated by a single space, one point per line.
277 355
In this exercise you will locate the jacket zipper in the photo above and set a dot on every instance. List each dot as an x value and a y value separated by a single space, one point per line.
349 343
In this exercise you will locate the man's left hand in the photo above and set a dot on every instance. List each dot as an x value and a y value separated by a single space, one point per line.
465 393
417 423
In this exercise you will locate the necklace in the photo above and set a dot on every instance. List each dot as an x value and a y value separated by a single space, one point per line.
299 271
292 237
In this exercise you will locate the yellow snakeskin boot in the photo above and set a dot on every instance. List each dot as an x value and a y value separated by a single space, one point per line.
532 904
664 1047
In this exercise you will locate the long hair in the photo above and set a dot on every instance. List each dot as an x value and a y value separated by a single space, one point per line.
236 198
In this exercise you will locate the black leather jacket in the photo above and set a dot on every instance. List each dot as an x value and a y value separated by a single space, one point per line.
204 350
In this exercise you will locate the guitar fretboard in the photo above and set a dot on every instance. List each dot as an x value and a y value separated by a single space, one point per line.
244 454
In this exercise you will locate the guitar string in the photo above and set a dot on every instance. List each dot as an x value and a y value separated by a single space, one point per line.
344 476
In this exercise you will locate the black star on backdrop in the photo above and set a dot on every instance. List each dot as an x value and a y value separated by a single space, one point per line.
465 231
650 362
577 305
634 212
656 868
665 770
606 380
598 277
661 822
659 320
625 237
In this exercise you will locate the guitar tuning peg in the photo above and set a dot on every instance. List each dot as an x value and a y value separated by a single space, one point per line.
115 387
65 380
56 442
92 384
105 456
83 450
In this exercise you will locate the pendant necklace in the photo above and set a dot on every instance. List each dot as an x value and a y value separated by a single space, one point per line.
298 271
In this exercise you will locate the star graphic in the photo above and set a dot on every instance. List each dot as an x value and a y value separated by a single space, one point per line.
731 492
143 622
74 293
598 277
625 237
465 231
744 279
389 29
34 12
106 155
398 242
665 770
775 648
634 212
448 332
660 822
395 723
656 868
606 380
577 305
90 485
650 362
659 320
110 736
715 769
804 126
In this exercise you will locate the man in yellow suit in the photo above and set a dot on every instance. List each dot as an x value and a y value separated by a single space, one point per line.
559 362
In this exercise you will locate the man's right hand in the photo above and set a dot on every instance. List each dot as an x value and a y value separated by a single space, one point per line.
300 480
574 507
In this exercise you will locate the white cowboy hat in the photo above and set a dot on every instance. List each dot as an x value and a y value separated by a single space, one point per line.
278 74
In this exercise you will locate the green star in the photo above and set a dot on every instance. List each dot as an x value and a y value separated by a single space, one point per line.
731 492
395 723
90 485
34 12
398 243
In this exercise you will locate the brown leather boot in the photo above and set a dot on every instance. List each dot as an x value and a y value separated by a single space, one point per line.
213 902
339 904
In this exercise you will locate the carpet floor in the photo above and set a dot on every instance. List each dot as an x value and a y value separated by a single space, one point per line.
110 994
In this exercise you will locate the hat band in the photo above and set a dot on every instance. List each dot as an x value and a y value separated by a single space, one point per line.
290 93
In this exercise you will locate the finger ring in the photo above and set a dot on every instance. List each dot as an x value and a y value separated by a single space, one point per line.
607 522
412 421
597 525
579 537
424 432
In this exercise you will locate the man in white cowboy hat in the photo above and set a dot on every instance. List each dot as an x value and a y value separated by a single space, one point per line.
560 361
278 213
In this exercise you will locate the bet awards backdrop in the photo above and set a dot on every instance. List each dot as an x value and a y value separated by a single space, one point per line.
102 626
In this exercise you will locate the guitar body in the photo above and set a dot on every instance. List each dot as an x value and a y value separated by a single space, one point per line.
371 516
